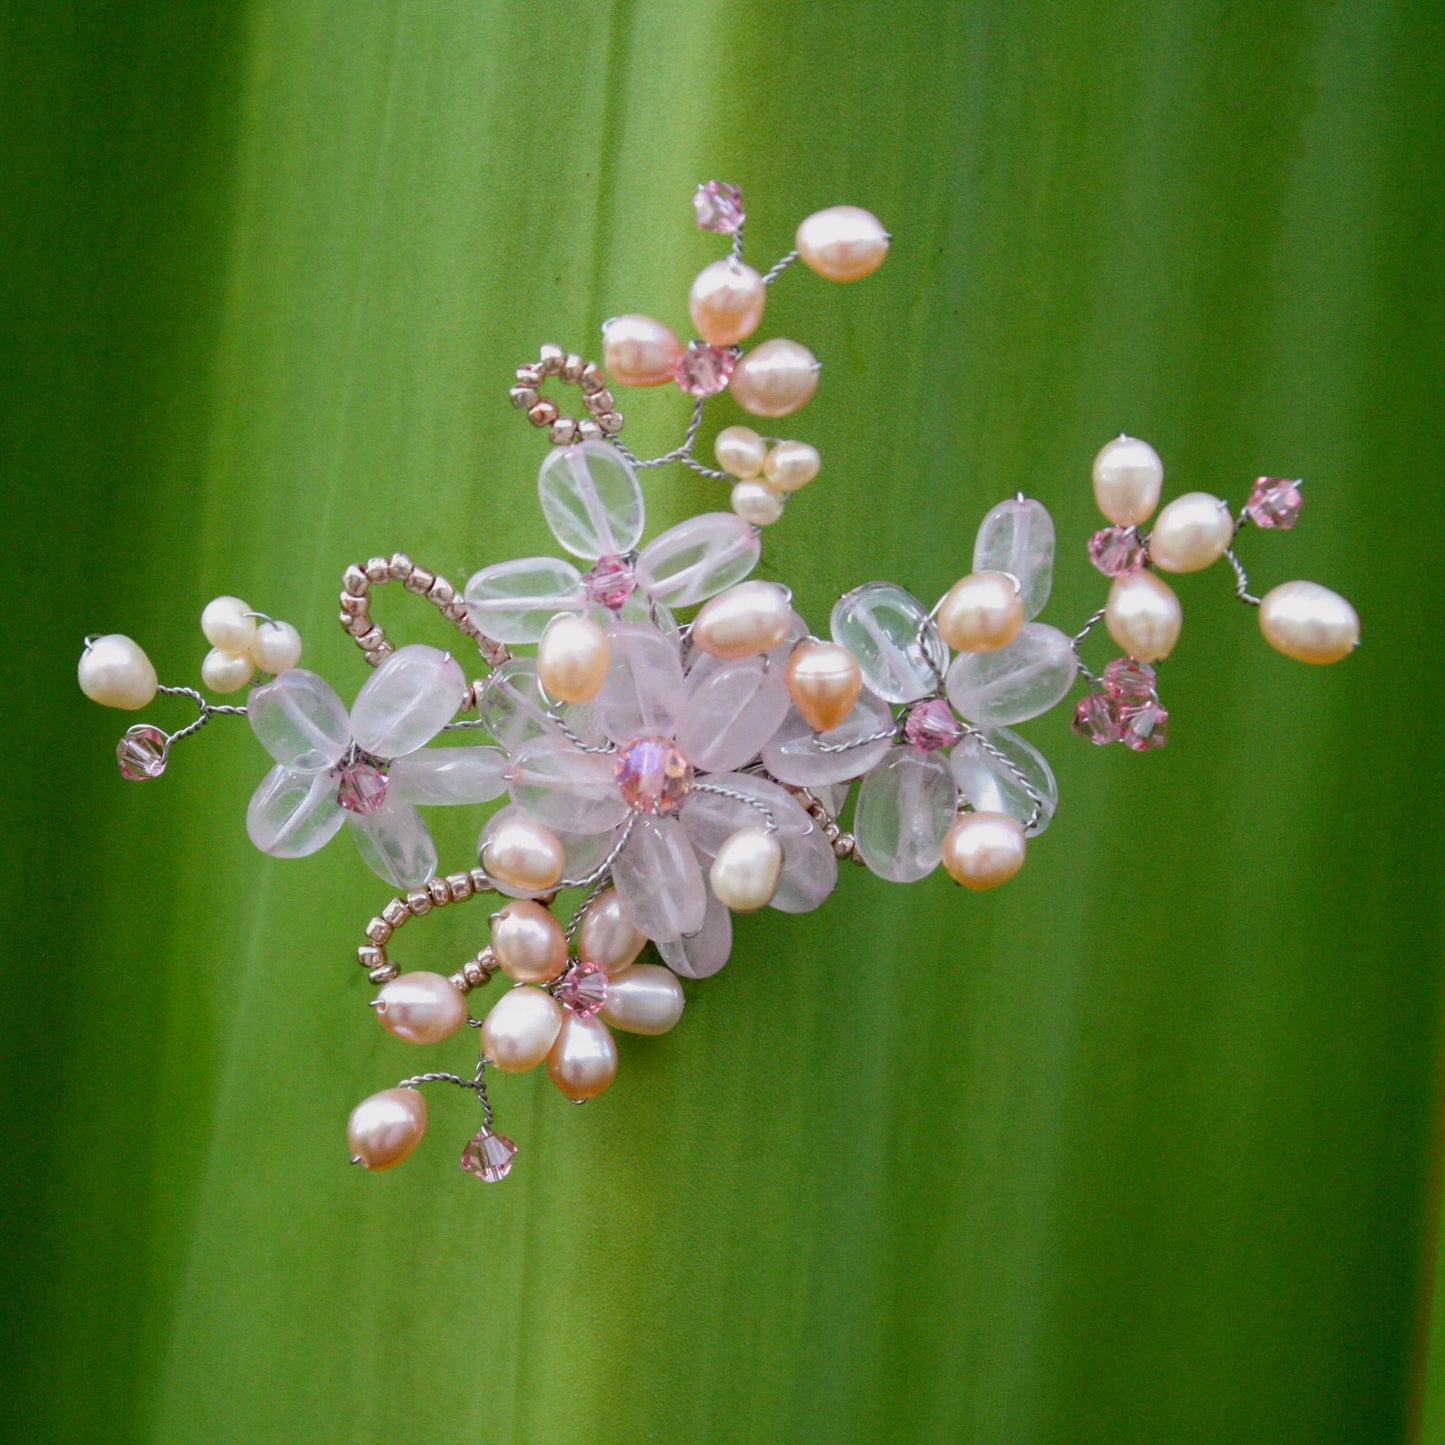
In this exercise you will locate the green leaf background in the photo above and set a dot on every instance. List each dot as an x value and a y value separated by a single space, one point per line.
1140 1148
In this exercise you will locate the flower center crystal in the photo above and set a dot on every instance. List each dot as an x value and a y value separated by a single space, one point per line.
363 782
653 775
931 725
610 583
583 989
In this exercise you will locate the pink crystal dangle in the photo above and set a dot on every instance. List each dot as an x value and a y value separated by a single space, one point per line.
583 989
488 1156
1274 502
141 753
718 207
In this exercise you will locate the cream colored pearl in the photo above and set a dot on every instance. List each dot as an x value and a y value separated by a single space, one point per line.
983 850
981 613
1143 616
1308 622
1192 532
573 657
226 625
520 1030
528 942
645 1000
277 647
749 618
608 937
583 1060
524 855
638 351
740 451
843 243
745 873
385 1128
115 672
775 379
726 302
226 671
1128 477
757 503
791 465
824 681
422 1008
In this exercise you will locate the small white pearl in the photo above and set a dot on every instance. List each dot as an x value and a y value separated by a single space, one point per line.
1308 622
573 657
775 379
422 1008
638 351
277 647
226 625
757 503
608 937
520 1030
726 302
226 671
740 451
645 1000
583 1060
983 850
843 243
115 672
749 618
1143 616
1192 532
386 1127
982 612
791 465
1128 477
745 873
524 855
528 942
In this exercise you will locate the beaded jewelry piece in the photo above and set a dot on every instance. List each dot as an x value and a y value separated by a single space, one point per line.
672 773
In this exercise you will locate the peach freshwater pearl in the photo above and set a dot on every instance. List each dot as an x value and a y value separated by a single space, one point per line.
775 379
115 672
524 855
1128 477
757 503
1143 616
983 850
843 243
726 302
740 451
981 613
1192 532
791 465
573 657
748 618
528 942
824 681
638 351
744 874
1308 622
521 1028
608 937
422 1008
583 1060
385 1128
645 1000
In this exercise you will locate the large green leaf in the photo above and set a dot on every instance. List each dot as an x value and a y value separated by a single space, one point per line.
1136 1149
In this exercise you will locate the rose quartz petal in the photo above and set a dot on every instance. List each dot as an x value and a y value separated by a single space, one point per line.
698 558
559 785
583 852
514 601
659 881
703 953
731 714
300 721
592 499
436 776
511 707
292 814
991 787
796 754
638 608
642 695
1018 537
395 844
711 818
1020 681
893 638
905 806
810 872
407 701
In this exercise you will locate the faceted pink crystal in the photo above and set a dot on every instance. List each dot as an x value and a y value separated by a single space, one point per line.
1094 719
363 786
704 370
1274 502
583 989
489 1156
718 207
931 725
610 582
653 775
1145 727
1116 551
1129 683
141 753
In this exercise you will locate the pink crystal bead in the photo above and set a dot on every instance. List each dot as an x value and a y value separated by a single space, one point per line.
1142 728
931 725
1274 502
653 775
1129 683
489 1156
583 989
363 787
704 370
141 753
610 583
1094 719
718 207
1116 551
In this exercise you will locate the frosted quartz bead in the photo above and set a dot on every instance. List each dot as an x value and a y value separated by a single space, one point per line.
1191 533
421 1008
749 618
712 818
843 243
726 302
731 714
523 854
407 701
645 1000
810 872
797 755
696 559
745 873
983 850
791 465
638 351
394 843
293 814
511 708
905 807
1018 538
300 721
896 645
990 787
659 881
775 379
757 503
226 671
1128 477
276 647
514 601
1308 622
583 1060
440 776
226 625
824 682
529 942
115 672
608 937
385 1128
1143 617
591 499
740 451
559 785
520 1029
643 693
981 613
1022 680
702 954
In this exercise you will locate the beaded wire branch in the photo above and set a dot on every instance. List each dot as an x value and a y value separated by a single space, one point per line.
674 774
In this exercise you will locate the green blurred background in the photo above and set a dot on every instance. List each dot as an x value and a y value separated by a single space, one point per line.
1141 1148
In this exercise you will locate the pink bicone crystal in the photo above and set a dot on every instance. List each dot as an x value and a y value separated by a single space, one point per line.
1144 727
704 370
718 207
1116 551
1274 502
583 989
1094 719
141 753
610 583
931 725
489 1156
363 787
654 775
1129 682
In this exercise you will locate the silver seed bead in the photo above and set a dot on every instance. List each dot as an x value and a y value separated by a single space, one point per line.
378 569
401 566
355 604
524 396
543 414
420 581
357 626
384 974
550 359
571 371
610 422
599 401
373 640
418 902
844 844
588 430
456 611
395 912
530 375
441 592
370 956
459 885
480 882
563 432
460 982
440 894
379 931
355 581
592 378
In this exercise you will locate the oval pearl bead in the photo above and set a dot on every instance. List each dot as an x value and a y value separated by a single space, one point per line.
758 503
843 243
276 648
984 849
824 681
791 465
740 451
726 302
226 625
745 873
775 379
608 937
573 657
528 942
982 612
422 1008
520 1030
1143 616
583 1060
638 351
1308 622
1191 533
645 1000
115 672
226 671
749 618
1128 477
385 1128
524 855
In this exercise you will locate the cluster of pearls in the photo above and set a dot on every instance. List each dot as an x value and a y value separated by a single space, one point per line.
244 642
767 471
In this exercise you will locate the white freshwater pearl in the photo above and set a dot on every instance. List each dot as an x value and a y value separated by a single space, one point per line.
1191 533
726 302
277 647
638 351
749 618
226 671
1308 622
528 942
1128 477
983 850
982 612
520 1030
608 937
1143 616
115 672
745 873
524 855
226 625
740 451
422 1008
385 1128
573 657
791 465
775 379
645 1000
583 1060
843 243
757 502
824 681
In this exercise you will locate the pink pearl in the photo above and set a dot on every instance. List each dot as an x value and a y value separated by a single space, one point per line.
645 1000
528 942
608 937
843 243
524 855
726 302
520 1029
749 618
422 1008
775 379
583 1061
983 850
638 351
385 1128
